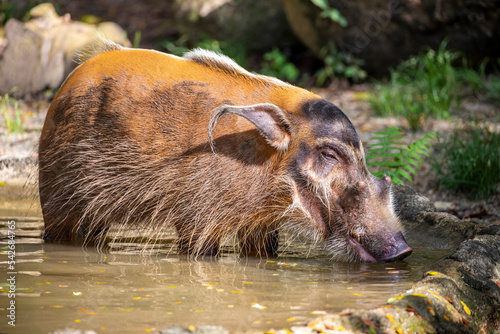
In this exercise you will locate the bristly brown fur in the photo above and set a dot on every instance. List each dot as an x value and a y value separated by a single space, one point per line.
130 140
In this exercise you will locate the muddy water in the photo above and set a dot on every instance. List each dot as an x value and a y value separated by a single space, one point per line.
121 290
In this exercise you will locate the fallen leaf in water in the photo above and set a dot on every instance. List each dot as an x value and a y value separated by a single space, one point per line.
101 283
432 273
356 294
198 311
258 306
92 313
82 309
126 309
391 319
291 319
171 287
57 306
236 291
77 320
136 298
76 293
191 328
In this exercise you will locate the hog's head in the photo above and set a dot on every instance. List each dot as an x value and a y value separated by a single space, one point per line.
330 188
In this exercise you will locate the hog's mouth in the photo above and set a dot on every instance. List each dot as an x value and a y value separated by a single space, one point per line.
363 254
395 249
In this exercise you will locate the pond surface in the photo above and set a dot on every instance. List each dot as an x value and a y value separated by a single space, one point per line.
121 290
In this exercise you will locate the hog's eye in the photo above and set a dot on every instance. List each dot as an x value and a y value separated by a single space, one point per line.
329 156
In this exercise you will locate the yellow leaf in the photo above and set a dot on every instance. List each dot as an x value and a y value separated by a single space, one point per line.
77 320
419 295
466 309
432 273
391 319
356 294
191 328
290 319
390 300
136 298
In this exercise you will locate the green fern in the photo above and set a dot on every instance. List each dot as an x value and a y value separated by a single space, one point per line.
390 156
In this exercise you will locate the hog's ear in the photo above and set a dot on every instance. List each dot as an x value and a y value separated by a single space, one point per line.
267 118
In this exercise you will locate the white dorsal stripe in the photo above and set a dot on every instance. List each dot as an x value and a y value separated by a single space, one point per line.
215 60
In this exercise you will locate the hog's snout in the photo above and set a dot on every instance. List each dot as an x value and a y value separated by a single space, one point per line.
397 250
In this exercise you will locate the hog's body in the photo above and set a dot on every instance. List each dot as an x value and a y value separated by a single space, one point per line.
140 137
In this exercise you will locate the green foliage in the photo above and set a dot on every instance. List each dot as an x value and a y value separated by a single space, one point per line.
339 64
277 65
19 10
7 11
428 86
137 39
390 156
470 161
11 114
481 84
236 51
329 12
420 87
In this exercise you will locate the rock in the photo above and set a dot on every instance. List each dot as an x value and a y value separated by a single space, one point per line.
39 54
409 204
258 25
382 33
419 216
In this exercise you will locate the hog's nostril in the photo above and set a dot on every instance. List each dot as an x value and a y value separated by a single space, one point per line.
398 250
